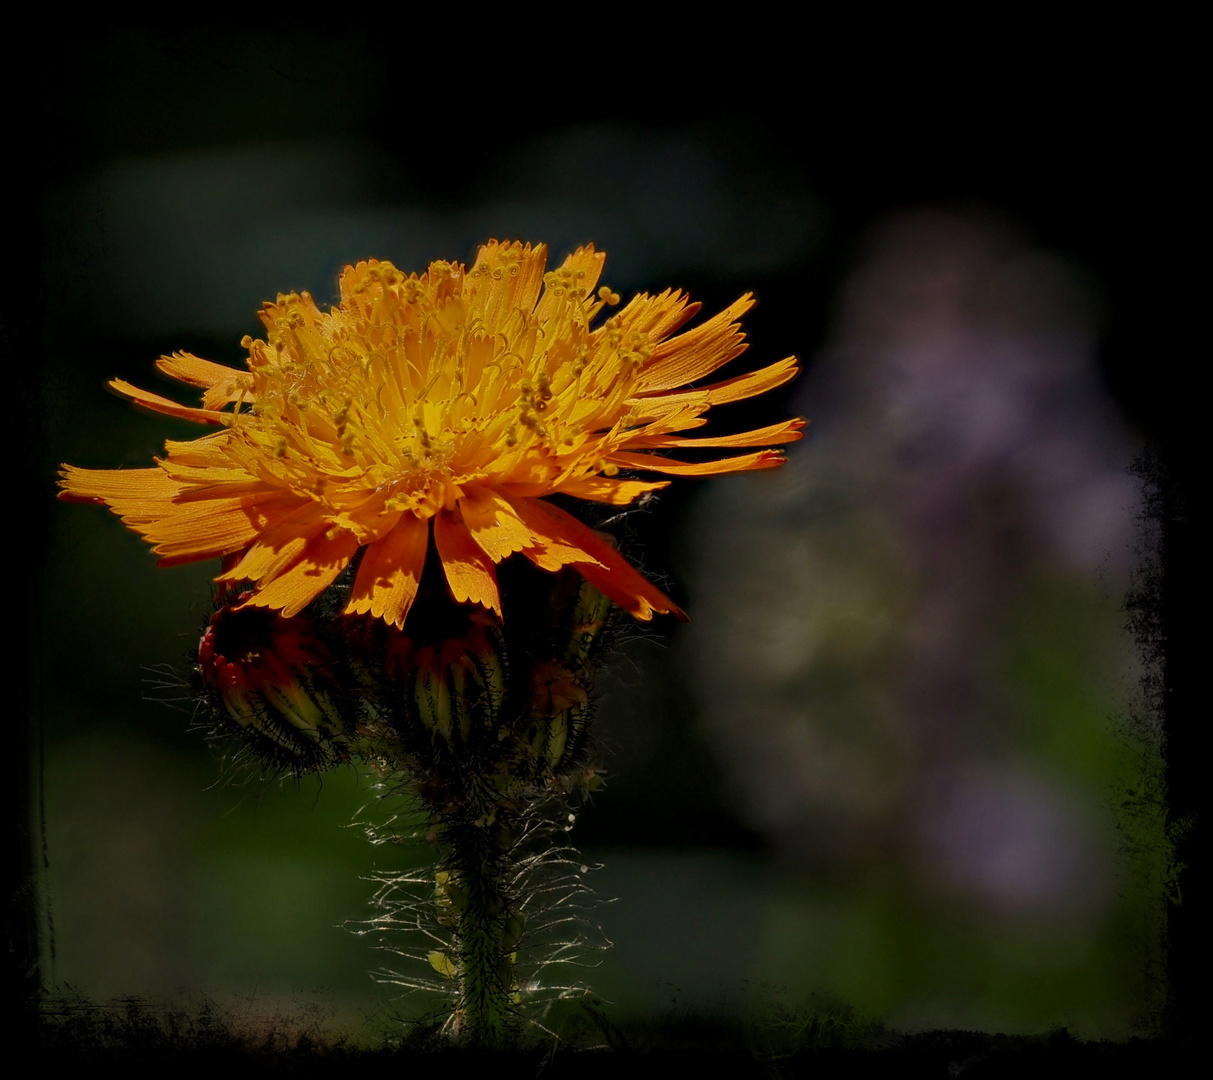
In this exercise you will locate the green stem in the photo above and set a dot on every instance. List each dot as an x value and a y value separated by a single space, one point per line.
486 931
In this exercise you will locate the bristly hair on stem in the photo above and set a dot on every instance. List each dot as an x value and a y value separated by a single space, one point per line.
488 973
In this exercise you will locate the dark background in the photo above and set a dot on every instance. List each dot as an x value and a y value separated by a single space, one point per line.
717 165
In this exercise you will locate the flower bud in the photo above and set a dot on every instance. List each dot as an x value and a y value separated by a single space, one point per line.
273 678
459 685
559 714
589 616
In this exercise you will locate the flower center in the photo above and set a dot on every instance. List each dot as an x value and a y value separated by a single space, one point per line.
405 395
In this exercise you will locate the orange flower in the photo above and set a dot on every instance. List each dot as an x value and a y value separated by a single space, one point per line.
458 397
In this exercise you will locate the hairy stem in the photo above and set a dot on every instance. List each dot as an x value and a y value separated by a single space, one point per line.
472 884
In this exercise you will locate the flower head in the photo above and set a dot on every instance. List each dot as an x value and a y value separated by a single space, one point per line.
449 402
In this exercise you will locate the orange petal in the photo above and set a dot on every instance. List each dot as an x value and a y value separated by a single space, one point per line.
662 419
390 574
205 529
586 265
280 545
365 514
493 524
755 383
738 389
299 304
211 450
552 548
207 478
615 577
785 432
762 459
505 278
309 574
603 489
155 403
658 315
184 524
127 491
696 353
222 384
469 571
